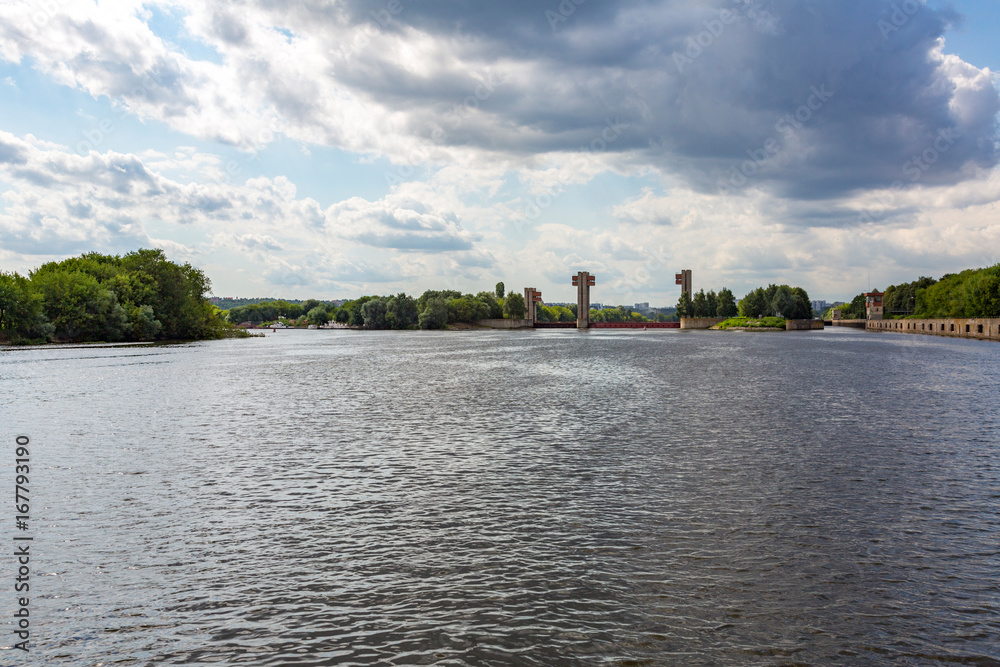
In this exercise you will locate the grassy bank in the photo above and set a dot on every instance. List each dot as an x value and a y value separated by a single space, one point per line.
752 323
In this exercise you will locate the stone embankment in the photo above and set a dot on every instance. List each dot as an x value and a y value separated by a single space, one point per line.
701 322
980 328
803 325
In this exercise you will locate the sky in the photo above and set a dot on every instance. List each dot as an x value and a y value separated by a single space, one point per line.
336 148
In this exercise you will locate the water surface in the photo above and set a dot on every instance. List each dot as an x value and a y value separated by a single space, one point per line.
528 498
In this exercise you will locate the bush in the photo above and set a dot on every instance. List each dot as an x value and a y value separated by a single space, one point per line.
753 323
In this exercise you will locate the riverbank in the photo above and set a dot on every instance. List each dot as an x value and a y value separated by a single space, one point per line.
751 324
982 328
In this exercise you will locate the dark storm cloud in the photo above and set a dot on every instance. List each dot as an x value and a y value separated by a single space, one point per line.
821 97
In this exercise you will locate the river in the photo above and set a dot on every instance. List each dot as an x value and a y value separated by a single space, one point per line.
524 498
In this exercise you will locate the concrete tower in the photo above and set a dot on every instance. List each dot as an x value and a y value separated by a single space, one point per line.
583 281
532 298
684 280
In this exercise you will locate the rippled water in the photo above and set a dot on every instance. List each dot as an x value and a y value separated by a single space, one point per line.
527 498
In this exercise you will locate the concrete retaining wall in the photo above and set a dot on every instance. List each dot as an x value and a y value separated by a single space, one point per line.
635 325
700 322
803 325
981 328
505 324
857 324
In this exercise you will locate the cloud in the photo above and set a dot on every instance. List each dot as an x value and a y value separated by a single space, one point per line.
399 224
697 90
768 138
10 151
64 203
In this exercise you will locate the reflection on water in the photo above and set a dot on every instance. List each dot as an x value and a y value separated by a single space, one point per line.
535 498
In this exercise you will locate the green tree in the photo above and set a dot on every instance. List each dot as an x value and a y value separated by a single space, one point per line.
495 306
781 302
401 312
970 293
22 316
434 314
562 314
79 308
178 300
499 291
467 309
685 307
143 323
356 317
754 304
700 304
513 306
447 295
983 294
855 310
307 306
139 296
726 304
318 315
373 313
801 305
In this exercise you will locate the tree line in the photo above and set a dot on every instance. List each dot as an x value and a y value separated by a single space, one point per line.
434 309
790 303
707 304
140 296
971 293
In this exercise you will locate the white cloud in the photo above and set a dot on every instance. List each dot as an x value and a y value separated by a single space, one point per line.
508 110
418 91
64 203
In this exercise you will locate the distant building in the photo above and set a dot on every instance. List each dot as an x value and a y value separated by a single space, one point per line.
873 305
642 306
820 306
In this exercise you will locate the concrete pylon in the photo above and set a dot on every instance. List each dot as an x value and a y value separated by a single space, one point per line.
583 282
684 280
532 298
